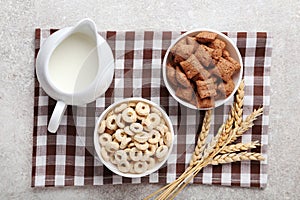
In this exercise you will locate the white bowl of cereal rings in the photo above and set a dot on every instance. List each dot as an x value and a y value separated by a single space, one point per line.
202 69
133 137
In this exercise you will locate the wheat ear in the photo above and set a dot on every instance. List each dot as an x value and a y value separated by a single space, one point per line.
235 157
199 148
248 123
240 147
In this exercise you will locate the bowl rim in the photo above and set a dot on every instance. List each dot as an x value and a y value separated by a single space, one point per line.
193 32
111 166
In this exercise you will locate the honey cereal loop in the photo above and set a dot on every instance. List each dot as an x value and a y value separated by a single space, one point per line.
142 109
152 120
140 167
136 127
104 139
135 154
124 166
120 122
129 115
154 137
141 138
102 127
104 154
111 146
161 151
128 131
125 142
141 146
120 155
111 122
120 135
120 108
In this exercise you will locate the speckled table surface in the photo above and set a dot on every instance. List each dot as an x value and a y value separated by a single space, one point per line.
18 19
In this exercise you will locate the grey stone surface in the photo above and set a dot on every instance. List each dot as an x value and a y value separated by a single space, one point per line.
18 19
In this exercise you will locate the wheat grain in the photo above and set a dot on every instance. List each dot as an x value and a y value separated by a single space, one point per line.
239 147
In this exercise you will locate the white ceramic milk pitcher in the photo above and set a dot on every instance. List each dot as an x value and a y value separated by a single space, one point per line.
74 66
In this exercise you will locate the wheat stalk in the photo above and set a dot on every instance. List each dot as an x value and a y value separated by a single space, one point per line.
235 157
201 138
239 147
233 128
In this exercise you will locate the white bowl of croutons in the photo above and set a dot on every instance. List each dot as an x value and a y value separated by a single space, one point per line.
202 69
133 137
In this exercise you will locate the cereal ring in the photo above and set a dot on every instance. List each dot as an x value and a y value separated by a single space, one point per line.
120 155
131 170
132 104
146 128
131 144
128 131
124 143
142 137
113 160
104 154
161 142
120 108
141 146
154 137
142 109
135 154
136 127
140 167
104 139
102 127
151 163
152 120
120 135
151 150
141 118
145 157
161 151
129 115
168 138
124 166
111 122
111 146
110 113
162 128
127 153
120 122
155 110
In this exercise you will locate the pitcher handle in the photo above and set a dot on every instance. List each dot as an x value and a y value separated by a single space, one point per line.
56 116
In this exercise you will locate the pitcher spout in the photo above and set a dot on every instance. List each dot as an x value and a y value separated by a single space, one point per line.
87 27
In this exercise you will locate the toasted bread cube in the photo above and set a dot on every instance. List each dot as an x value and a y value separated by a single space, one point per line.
205 37
206 103
193 68
185 93
203 56
224 69
206 88
184 51
237 66
171 74
217 44
181 78
178 44
226 88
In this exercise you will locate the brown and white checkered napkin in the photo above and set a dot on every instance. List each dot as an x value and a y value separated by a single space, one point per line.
67 158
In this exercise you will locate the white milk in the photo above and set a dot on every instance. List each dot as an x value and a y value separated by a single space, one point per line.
74 63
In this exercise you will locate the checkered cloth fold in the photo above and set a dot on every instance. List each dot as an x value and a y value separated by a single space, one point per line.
67 158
